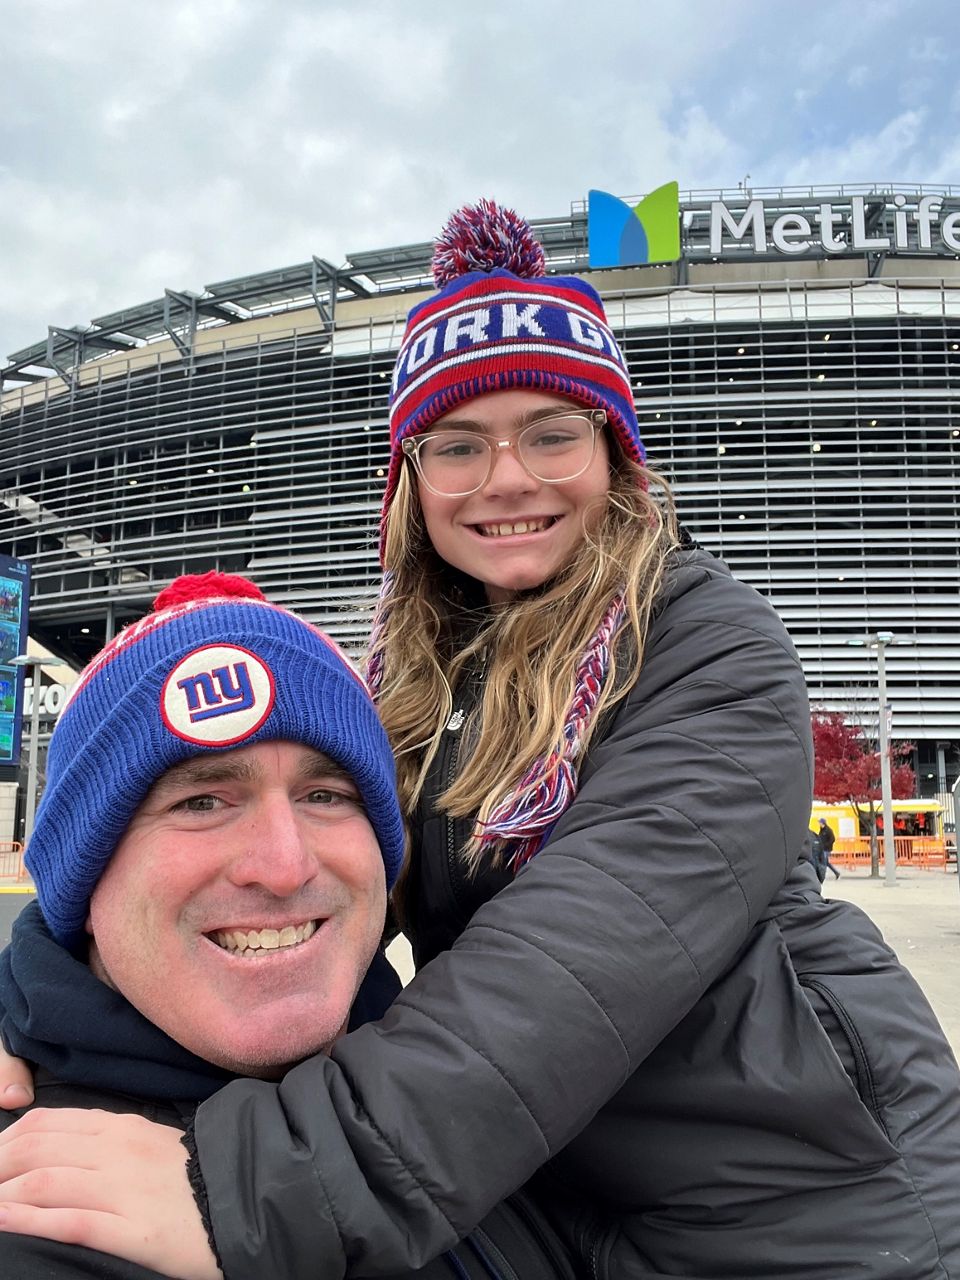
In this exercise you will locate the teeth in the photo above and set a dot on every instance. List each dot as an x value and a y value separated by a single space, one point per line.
253 941
503 530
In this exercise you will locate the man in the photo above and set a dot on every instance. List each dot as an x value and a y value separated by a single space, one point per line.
827 840
212 855
815 856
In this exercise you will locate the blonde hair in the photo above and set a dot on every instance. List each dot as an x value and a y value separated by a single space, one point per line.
429 635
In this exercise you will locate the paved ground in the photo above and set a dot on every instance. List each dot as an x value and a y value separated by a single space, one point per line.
12 902
919 917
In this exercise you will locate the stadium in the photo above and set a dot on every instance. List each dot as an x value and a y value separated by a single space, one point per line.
796 373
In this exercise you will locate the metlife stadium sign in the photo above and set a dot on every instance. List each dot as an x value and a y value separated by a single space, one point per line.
838 229
661 228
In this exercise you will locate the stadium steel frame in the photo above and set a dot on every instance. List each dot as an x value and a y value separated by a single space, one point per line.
807 415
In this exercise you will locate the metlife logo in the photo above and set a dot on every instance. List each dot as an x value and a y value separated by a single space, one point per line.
661 228
647 233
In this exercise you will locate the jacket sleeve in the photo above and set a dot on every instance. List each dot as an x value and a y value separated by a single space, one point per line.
30 1258
691 810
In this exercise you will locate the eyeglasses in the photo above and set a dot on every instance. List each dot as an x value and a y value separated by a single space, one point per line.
453 464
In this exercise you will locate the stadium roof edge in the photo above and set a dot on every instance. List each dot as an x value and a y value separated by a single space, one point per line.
301 285
319 284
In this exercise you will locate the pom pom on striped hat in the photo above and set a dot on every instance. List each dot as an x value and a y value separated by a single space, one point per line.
483 236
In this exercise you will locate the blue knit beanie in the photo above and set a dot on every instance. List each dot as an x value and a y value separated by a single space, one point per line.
215 666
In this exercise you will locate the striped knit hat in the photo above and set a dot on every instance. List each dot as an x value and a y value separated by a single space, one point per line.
499 323
215 666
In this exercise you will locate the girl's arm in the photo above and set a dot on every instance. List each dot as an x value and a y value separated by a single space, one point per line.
690 813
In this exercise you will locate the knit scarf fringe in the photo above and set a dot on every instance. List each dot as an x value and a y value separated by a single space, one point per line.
525 817
373 668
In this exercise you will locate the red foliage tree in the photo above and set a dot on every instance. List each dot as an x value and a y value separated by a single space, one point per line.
847 770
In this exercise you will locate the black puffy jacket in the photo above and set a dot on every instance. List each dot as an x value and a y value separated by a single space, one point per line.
102 1053
728 1076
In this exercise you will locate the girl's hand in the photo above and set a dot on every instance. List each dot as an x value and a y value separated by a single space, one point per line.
113 1183
16 1082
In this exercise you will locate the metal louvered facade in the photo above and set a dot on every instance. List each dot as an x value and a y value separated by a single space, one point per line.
807 413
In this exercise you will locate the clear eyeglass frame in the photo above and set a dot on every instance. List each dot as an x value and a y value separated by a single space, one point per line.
595 418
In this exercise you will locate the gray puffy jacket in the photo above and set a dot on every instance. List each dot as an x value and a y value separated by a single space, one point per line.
728 1076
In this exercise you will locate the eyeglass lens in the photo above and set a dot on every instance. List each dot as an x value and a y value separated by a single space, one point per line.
458 462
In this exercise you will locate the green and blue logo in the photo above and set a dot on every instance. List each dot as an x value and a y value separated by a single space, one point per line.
619 236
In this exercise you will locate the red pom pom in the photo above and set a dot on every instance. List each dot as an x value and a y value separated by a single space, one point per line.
482 237
206 586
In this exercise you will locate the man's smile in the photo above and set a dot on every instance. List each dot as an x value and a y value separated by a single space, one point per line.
258 942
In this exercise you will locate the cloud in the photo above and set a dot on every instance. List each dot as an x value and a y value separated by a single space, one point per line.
819 58
864 157
929 49
212 141
220 140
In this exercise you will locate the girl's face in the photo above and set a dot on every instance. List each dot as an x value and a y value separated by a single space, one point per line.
516 532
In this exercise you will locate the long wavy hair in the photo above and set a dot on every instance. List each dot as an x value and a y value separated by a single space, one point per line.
433 627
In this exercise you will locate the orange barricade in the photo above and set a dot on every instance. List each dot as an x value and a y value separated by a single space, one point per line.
921 851
11 860
851 852
911 851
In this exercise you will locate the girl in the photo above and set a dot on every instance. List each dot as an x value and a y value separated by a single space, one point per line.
628 978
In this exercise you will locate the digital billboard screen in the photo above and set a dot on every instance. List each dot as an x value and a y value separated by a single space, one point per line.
14 629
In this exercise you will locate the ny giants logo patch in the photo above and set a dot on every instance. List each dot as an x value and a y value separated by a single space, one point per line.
217 696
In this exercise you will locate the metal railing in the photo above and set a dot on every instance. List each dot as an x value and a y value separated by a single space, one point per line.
11 860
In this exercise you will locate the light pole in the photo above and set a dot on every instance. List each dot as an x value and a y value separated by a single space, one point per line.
33 662
879 641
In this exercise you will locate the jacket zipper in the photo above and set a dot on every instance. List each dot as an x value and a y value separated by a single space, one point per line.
492 1259
456 1266
864 1077
450 764
520 1205
594 1259
453 727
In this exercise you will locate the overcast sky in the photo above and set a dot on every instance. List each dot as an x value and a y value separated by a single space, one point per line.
181 143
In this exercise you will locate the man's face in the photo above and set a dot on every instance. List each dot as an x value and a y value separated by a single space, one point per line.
243 905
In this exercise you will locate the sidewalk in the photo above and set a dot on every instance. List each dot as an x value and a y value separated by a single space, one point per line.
920 918
13 898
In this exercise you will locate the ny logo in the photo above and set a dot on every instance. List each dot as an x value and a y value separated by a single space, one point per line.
217 693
